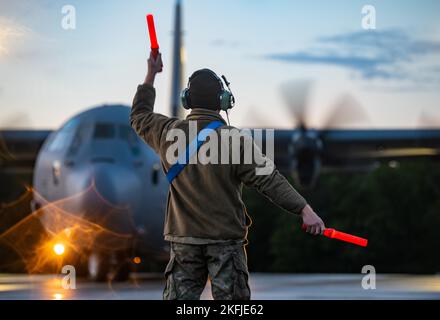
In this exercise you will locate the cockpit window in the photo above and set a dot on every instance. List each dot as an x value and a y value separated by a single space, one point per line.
63 137
104 131
126 133
78 139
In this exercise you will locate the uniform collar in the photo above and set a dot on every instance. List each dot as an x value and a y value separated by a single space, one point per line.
199 114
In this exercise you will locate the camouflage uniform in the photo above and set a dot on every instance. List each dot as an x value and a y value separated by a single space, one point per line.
190 265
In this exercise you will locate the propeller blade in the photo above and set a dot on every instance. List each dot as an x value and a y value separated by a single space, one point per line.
295 94
346 110
427 120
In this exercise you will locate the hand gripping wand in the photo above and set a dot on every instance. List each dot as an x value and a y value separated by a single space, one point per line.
335 234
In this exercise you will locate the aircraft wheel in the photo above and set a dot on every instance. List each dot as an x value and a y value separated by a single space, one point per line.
123 268
80 264
123 272
98 267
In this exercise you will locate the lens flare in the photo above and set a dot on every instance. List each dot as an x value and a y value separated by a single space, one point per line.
61 232
57 296
137 260
59 249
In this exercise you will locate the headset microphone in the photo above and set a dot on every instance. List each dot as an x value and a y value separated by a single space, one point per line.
227 85
226 81
232 96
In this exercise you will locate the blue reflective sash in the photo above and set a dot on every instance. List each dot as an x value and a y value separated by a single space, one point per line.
191 149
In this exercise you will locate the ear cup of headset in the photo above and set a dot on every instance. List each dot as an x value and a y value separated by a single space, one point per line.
226 100
184 98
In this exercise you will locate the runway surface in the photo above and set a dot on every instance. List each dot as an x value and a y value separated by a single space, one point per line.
264 286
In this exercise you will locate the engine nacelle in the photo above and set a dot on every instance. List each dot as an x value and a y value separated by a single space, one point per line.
305 151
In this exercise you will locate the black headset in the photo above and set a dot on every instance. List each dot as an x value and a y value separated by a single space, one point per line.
226 98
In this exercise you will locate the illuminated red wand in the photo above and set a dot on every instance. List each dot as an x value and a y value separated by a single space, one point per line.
153 37
335 234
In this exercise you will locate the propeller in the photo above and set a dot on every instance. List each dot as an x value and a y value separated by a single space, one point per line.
307 146
295 95
427 120
346 108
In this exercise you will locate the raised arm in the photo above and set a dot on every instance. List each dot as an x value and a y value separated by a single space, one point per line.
147 124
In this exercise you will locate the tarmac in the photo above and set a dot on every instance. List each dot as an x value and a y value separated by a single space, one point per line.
263 287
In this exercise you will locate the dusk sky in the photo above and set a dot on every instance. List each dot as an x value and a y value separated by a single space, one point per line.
48 74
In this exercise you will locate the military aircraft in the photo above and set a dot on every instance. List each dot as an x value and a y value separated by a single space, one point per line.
104 179
98 189
304 152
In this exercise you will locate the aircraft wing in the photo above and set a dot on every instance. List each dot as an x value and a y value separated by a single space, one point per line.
19 149
342 147
349 148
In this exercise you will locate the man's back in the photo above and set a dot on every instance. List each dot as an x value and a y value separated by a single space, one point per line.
205 199
206 221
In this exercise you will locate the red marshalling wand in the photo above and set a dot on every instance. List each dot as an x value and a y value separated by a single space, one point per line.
153 37
335 234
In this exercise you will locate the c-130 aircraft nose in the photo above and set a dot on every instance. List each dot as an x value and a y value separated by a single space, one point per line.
112 196
116 184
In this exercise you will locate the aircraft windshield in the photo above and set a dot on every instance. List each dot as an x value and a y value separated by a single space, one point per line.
126 133
104 131
123 132
64 136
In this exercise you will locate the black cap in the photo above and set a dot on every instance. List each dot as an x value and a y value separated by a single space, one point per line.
204 90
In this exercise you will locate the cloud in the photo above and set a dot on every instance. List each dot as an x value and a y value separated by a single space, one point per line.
388 54
19 42
368 67
11 32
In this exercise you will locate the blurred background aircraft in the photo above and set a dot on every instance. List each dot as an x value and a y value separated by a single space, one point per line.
98 191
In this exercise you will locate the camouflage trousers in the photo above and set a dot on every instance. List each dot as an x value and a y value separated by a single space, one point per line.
191 265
